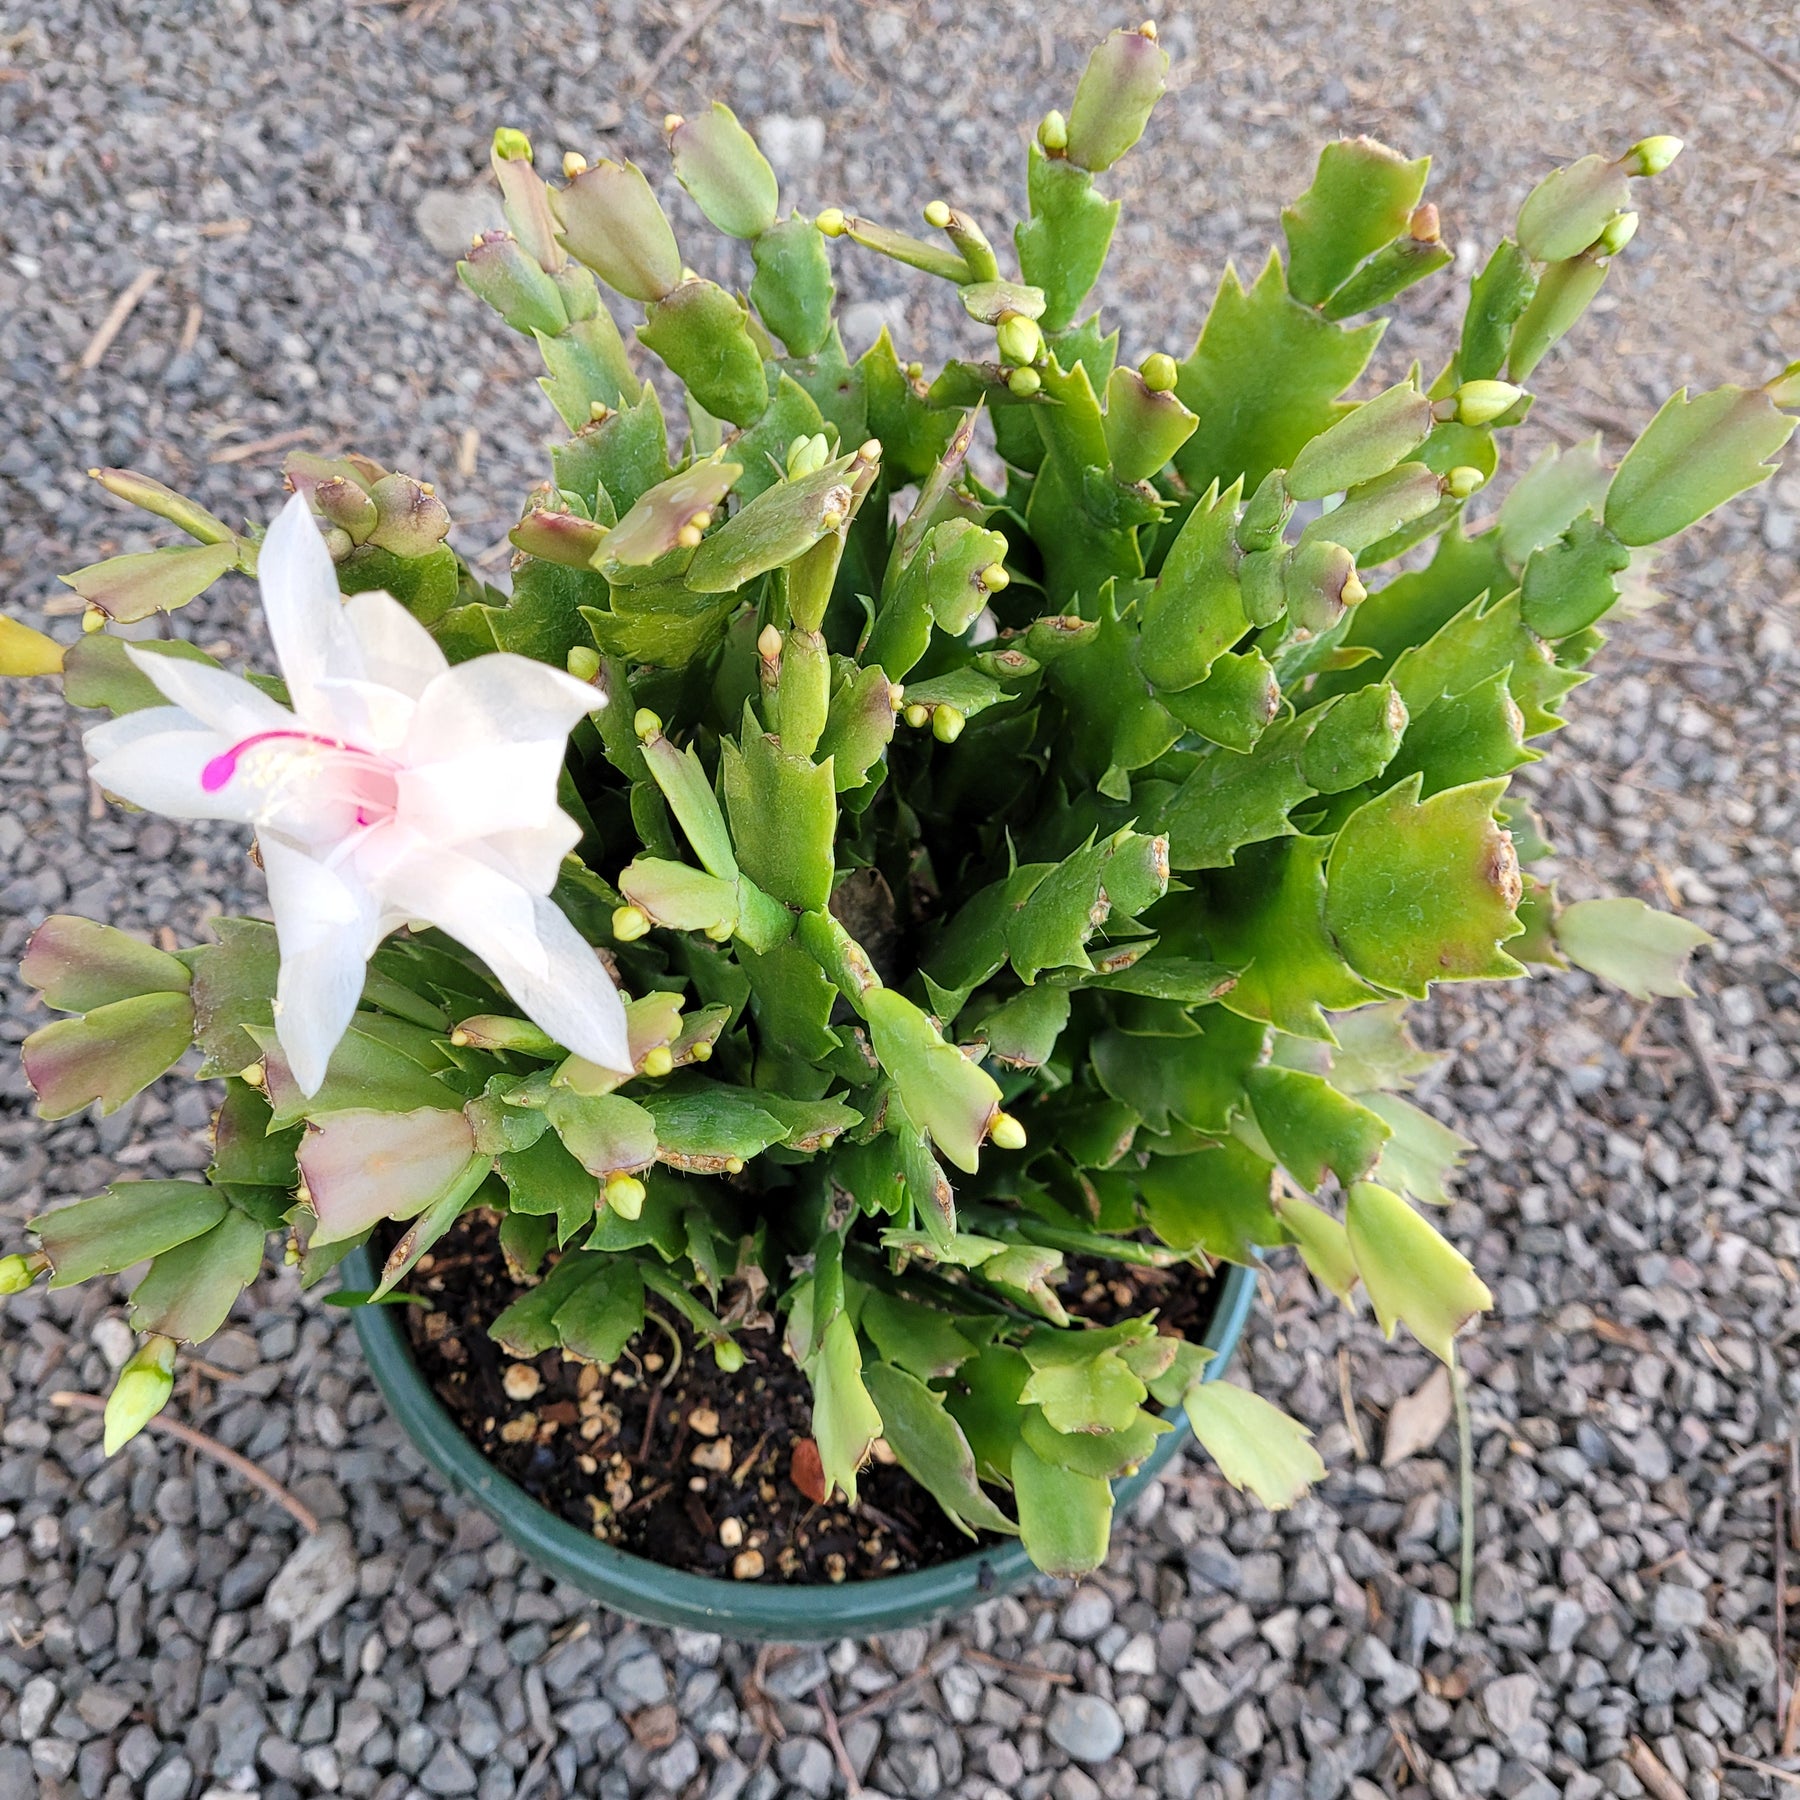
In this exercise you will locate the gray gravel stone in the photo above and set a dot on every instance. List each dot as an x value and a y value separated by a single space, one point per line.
1087 1614
805 1763
1086 1727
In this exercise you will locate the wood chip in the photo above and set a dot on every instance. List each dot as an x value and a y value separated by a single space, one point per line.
121 310
1650 1769
1415 1423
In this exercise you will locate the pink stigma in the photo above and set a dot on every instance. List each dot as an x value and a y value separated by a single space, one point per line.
221 769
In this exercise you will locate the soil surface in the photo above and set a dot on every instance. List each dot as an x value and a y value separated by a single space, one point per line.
667 1457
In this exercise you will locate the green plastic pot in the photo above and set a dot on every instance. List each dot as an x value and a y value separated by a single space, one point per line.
646 1590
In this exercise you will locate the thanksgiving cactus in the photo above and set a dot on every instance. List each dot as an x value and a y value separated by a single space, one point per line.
898 886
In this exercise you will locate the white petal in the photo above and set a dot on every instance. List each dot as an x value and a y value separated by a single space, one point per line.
475 904
324 926
312 637
575 1001
161 772
396 649
502 699
369 714
553 975
130 728
226 702
490 787
532 858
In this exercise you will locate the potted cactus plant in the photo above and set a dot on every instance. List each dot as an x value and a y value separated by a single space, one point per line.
844 926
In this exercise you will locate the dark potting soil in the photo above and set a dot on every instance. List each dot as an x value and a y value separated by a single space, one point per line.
671 1459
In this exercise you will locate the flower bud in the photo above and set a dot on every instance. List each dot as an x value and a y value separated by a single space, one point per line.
768 644
1024 382
727 1355
165 503
1651 155
583 663
1482 402
625 1195
573 164
658 1062
25 651
947 724
338 543
646 724
1784 390
1160 372
17 1272
347 505
1019 339
560 537
1006 1132
412 520
918 715
141 1392
937 214
831 222
1462 481
1618 233
1053 133
995 578
511 145
807 455
629 923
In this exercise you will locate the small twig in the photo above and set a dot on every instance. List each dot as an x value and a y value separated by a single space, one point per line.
534 1772
1352 1424
1627 1335
1723 1104
307 1518
1628 1044
649 1426
1650 1769
243 452
1762 1768
879 1702
114 322
749 1462
853 1787
1408 1754
1774 64
1058 1677
678 41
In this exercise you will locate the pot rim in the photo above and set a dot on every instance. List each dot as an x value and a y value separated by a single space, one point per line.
653 1593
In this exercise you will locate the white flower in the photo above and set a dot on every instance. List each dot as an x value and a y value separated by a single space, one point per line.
398 788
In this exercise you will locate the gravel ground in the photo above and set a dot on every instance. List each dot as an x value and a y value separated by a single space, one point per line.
286 169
